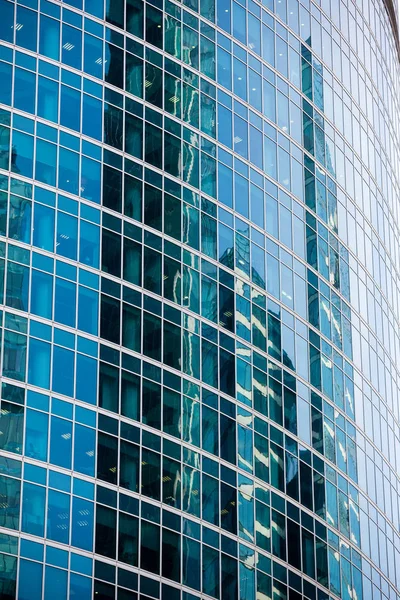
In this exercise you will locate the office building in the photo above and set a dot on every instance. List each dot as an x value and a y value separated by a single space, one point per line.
199 267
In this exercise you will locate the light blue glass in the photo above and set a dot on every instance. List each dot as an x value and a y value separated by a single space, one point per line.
36 436
32 550
7 22
30 587
24 90
68 171
47 103
80 586
72 46
63 371
92 117
61 442
46 161
58 517
39 364
33 509
41 294
82 533
19 225
55 583
23 151
70 108
90 181
81 564
26 36
67 234
224 74
49 37
86 379
6 73
93 54
84 450
65 302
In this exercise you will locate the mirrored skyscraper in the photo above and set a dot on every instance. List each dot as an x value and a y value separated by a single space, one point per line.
200 299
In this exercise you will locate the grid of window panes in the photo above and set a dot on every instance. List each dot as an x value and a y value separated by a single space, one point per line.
199 278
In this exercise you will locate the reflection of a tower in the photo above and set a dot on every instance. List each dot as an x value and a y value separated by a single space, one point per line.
190 102
242 247
189 160
292 475
4 144
19 223
257 278
314 85
287 361
227 258
274 335
190 484
113 121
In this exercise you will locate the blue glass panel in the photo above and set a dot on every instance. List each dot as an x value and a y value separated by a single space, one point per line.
65 302
33 550
67 235
39 364
41 294
19 225
86 379
33 507
24 90
55 583
49 37
47 106
71 46
43 228
30 580
7 21
92 115
90 182
61 442
80 587
70 108
5 89
22 161
68 171
26 34
82 529
46 161
88 301
58 516
84 450
57 557
36 434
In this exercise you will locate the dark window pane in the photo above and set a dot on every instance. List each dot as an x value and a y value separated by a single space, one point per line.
129 466
107 458
151 404
110 318
128 539
154 26
150 547
112 188
171 555
151 476
151 336
106 524
111 253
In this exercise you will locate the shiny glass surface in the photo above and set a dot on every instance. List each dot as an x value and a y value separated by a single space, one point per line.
199 287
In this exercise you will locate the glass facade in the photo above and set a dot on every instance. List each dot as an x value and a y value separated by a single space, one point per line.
200 288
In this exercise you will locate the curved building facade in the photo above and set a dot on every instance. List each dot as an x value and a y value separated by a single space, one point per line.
199 278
